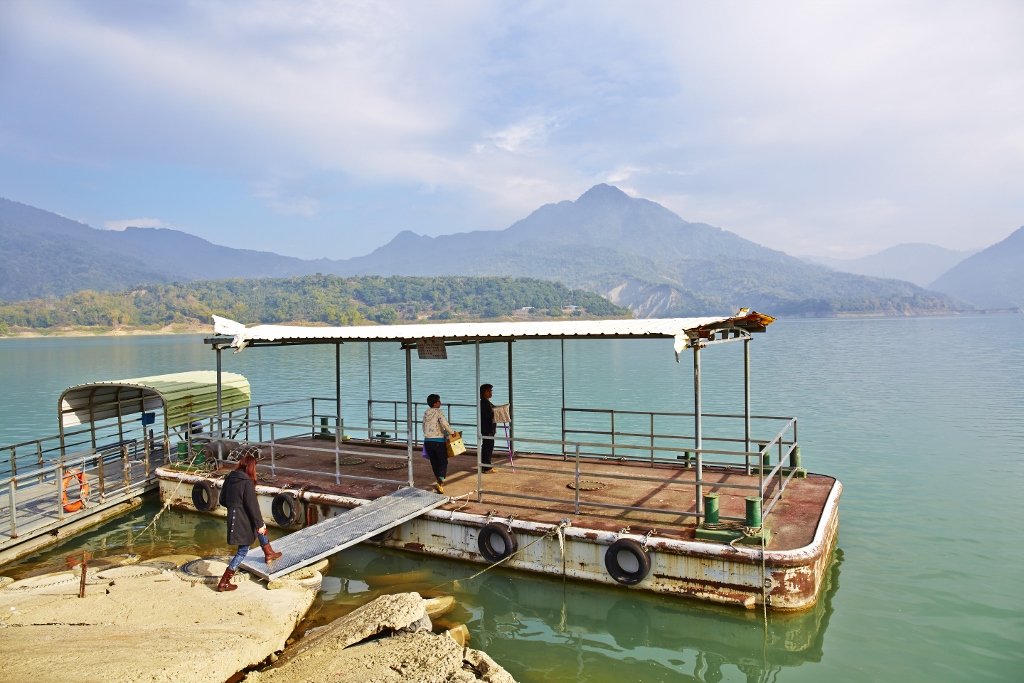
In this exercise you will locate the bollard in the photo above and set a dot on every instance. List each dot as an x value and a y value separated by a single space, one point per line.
753 512
710 508
323 427
794 458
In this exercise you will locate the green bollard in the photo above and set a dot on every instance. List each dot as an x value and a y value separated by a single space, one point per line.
710 508
753 511
323 427
794 458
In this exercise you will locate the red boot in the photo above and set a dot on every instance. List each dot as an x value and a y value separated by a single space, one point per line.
225 582
269 555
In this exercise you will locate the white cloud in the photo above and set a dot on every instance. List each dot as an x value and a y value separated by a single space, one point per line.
797 124
134 223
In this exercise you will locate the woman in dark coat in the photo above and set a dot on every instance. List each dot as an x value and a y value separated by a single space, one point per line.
487 427
245 521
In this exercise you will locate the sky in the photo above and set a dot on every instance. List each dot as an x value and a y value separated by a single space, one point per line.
325 128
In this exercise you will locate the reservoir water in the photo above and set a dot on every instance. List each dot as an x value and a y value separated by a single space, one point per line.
922 419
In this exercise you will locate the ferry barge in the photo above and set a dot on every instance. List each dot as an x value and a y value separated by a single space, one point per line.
727 514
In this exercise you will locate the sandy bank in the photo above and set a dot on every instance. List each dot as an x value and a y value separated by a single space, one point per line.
155 627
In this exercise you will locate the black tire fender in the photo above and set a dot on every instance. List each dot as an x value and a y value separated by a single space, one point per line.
204 496
627 561
495 542
287 509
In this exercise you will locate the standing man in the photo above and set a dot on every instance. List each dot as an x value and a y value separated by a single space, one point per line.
487 427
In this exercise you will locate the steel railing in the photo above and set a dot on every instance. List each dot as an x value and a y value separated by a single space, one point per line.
112 472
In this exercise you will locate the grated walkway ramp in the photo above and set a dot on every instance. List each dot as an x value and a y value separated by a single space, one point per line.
309 545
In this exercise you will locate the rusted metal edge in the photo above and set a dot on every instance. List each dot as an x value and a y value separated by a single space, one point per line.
797 557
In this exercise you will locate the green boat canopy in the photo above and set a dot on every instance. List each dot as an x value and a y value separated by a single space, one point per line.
179 395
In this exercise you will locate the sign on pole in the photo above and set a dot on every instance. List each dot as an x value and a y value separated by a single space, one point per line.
431 349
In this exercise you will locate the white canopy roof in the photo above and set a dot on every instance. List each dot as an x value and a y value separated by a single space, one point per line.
682 330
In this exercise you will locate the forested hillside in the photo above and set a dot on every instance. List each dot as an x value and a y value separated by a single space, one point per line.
324 299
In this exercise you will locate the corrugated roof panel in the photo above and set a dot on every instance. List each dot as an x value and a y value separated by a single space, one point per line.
183 392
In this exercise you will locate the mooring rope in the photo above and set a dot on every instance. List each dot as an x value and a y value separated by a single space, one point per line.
170 498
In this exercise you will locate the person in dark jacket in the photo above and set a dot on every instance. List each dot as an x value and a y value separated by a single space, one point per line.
245 521
487 426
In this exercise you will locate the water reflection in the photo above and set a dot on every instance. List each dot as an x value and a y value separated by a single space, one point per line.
539 628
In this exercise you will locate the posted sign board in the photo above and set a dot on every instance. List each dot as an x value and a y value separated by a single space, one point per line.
431 349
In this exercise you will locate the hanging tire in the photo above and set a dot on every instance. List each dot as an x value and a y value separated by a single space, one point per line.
496 543
627 562
204 496
287 509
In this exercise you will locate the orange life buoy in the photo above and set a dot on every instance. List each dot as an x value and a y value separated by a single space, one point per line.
83 490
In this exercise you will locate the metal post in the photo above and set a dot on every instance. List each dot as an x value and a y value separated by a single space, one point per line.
337 405
479 429
652 439
14 463
369 394
126 466
39 456
220 423
746 403
562 354
145 450
99 473
120 423
511 421
259 420
408 409
697 441
577 508
612 412
273 468
59 472
12 503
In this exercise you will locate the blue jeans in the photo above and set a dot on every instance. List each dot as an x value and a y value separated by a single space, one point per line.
243 550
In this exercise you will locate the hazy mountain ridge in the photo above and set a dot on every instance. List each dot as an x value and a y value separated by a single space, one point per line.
636 251
45 254
606 239
914 262
993 278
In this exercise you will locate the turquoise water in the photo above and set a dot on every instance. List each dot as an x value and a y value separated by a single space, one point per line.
921 419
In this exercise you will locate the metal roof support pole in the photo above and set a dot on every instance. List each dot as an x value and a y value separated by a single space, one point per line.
120 422
479 429
746 402
408 409
220 424
562 353
337 419
697 442
511 421
369 392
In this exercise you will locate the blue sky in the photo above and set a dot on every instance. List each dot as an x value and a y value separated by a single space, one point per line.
325 128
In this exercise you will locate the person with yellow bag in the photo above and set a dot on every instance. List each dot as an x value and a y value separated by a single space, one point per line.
435 431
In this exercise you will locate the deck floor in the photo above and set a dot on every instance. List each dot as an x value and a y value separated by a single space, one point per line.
792 521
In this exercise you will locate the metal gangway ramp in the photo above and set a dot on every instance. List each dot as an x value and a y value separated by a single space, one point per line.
309 545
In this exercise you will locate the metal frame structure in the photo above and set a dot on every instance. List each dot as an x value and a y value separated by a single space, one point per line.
694 334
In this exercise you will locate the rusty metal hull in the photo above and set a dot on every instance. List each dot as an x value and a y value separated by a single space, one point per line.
788 580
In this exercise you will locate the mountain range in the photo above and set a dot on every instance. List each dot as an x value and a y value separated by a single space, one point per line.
992 278
915 262
634 251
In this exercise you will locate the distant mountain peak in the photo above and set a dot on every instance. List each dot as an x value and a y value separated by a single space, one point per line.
603 192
